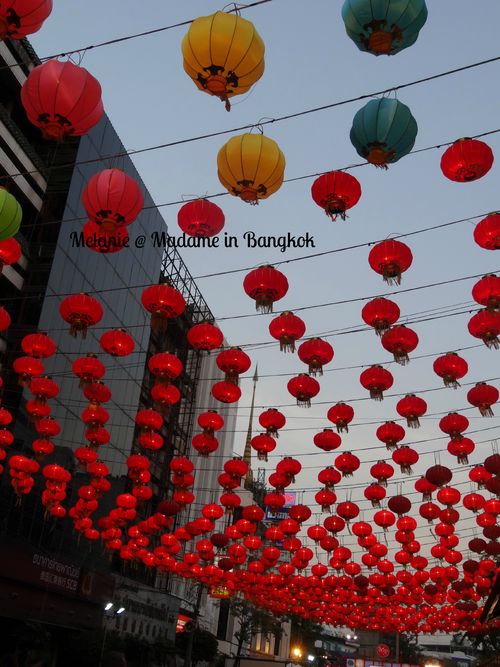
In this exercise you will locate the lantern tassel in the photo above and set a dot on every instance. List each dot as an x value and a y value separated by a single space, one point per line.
413 422
486 411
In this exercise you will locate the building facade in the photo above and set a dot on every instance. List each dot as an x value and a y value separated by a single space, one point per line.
65 580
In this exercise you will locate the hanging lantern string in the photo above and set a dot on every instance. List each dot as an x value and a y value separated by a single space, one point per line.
277 119
356 246
118 40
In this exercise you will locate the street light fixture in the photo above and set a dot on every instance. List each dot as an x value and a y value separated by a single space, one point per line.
108 606
310 658
121 610
297 652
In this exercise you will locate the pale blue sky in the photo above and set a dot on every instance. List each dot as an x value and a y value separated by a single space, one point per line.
309 62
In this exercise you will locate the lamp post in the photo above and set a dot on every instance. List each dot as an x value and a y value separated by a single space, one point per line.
109 611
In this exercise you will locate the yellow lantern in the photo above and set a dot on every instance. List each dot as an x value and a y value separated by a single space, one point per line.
251 166
223 54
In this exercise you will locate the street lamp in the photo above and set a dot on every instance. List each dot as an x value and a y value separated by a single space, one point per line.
297 653
108 614
310 658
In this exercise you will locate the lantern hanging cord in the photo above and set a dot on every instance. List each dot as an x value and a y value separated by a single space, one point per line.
355 246
277 119
146 33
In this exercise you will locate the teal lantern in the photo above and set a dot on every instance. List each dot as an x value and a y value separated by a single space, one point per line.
10 215
383 131
384 26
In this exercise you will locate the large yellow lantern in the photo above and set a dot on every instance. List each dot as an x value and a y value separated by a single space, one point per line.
251 166
223 54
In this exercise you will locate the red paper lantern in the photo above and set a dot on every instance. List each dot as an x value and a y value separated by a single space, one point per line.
454 425
287 328
473 502
5 320
405 457
303 387
48 427
275 501
210 421
233 362
438 475
10 252
272 420
164 396
492 464
97 436
400 341
486 325
377 380
226 392
80 311
375 493
451 367
95 416
97 393
62 99
399 505
149 420
384 518
449 496
19 18
429 511
390 434
150 440
486 292
105 243
117 343
461 449
335 192
347 511
487 232
315 352
327 440
38 345
380 314
201 218
466 160
483 396
88 369
164 302
27 368
44 388
347 463
412 407
165 367
265 285
390 259
205 336
263 445
112 200
479 475
382 471
42 447
341 414
329 477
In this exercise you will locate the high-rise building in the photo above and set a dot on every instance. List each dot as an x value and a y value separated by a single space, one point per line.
48 180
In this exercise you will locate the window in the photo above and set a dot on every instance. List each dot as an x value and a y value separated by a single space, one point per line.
223 619
277 644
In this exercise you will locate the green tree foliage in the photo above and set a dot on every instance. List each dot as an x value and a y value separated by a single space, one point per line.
409 651
251 621
205 645
488 645
305 633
